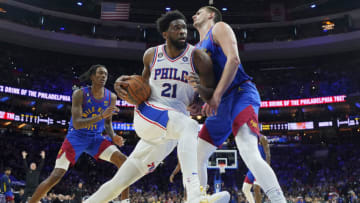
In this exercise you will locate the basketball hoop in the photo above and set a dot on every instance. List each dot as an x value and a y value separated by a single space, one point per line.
222 168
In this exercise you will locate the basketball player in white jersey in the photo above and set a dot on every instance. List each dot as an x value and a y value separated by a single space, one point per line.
163 122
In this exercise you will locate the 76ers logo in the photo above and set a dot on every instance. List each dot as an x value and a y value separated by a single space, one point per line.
151 167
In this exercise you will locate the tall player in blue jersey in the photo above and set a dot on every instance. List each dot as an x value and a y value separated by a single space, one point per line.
234 105
92 110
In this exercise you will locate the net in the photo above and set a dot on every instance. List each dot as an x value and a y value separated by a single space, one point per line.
222 168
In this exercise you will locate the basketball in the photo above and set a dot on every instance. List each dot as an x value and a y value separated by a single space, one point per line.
138 90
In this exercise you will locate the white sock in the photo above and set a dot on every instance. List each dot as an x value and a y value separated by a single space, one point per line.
127 174
187 149
204 151
246 189
247 143
125 201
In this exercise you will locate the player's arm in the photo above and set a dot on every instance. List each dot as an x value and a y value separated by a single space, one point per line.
176 171
224 36
264 142
204 67
147 60
24 155
41 165
2 184
108 122
121 83
76 112
257 193
118 140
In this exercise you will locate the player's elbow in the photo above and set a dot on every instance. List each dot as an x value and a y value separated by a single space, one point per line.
234 60
76 125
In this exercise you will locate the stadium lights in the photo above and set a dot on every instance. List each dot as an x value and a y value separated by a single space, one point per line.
32 103
62 28
224 9
4 99
313 6
60 106
167 8
330 108
22 125
357 104
79 3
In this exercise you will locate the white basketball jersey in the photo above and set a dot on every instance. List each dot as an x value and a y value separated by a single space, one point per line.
167 79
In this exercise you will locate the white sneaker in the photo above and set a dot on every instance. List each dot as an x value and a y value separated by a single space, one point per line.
220 197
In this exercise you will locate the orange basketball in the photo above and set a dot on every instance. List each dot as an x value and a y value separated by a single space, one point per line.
138 90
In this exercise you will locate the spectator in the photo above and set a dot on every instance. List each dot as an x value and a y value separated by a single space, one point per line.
20 196
5 183
32 175
78 193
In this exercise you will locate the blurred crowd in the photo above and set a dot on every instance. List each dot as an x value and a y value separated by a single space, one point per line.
312 173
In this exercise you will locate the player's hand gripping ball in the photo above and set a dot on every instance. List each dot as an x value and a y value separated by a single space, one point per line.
137 89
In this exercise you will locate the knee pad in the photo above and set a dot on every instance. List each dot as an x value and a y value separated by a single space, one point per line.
107 153
62 162
246 187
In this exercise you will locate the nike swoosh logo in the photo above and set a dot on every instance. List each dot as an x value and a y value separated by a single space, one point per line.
160 60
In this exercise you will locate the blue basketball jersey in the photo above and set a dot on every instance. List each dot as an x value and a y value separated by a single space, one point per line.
219 59
91 108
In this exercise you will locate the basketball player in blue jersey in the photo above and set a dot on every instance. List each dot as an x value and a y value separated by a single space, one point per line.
234 105
162 122
92 110
5 186
250 180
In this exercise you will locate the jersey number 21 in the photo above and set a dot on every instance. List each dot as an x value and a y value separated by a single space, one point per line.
169 91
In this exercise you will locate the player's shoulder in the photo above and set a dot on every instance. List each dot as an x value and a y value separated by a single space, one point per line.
78 92
112 95
220 27
149 54
150 51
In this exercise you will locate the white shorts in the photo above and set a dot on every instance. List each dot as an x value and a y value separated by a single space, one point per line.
159 128
154 122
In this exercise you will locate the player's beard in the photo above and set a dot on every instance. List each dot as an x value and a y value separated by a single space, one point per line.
178 44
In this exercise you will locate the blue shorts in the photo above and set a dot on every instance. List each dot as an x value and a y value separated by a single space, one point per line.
249 178
76 143
238 107
9 196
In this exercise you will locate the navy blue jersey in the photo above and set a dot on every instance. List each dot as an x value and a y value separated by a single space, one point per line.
219 60
91 108
5 183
